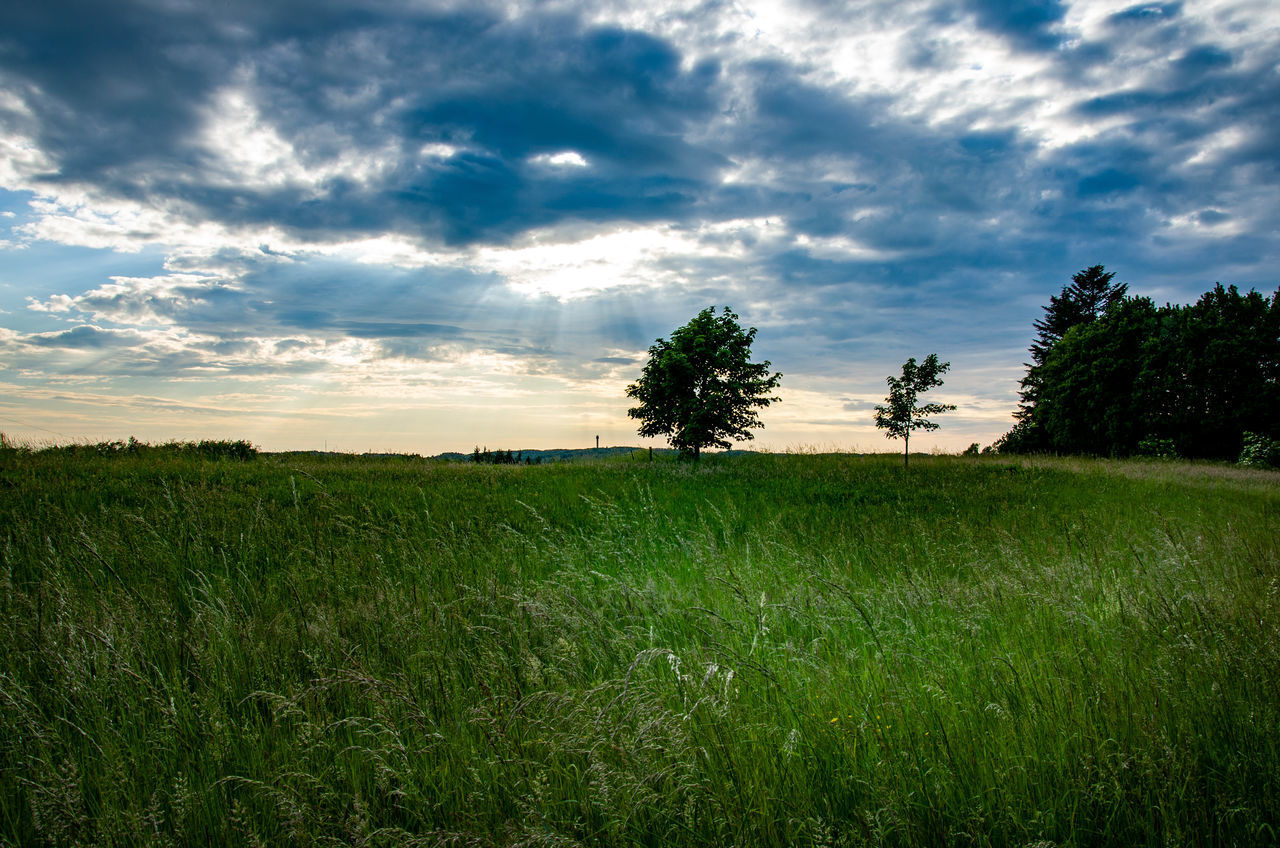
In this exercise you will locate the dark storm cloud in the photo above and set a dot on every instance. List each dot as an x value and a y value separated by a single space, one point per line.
111 84
1027 24
965 207
921 183
119 93
1203 93
939 199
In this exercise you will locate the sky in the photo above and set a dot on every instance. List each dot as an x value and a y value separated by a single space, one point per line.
420 227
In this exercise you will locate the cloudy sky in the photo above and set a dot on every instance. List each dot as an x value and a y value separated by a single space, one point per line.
420 226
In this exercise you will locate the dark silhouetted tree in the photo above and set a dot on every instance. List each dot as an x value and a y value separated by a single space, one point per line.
700 388
1227 372
1134 378
1087 299
1089 396
901 415
1089 296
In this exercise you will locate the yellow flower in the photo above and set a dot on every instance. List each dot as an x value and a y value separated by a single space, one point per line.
834 720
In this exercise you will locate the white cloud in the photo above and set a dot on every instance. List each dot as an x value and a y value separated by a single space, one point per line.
135 301
636 258
436 150
248 151
55 304
563 159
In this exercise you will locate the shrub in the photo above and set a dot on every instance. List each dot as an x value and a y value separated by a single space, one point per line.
206 449
225 449
1158 448
1023 438
1260 451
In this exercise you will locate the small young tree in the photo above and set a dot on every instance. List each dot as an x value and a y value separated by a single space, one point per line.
901 416
700 388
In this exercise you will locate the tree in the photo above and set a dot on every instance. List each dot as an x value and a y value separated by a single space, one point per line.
1115 375
1229 354
1092 396
901 416
1089 297
700 389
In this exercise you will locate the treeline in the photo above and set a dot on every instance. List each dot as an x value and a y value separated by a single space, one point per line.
205 449
503 457
1115 375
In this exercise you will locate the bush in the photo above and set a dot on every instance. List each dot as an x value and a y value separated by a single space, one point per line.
1260 451
1023 438
223 449
972 450
206 449
1157 448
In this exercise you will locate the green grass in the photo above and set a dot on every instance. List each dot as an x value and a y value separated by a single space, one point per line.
762 650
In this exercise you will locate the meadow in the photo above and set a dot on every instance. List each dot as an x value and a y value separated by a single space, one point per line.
792 649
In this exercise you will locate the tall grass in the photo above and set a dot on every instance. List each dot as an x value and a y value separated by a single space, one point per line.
760 650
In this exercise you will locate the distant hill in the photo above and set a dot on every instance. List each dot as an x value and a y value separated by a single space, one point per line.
577 454
536 456
559 454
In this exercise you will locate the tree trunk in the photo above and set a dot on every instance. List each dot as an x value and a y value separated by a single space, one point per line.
906 451
697 449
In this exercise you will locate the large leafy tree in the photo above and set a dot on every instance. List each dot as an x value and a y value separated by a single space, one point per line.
1091 394
901 415
1229 360
700 388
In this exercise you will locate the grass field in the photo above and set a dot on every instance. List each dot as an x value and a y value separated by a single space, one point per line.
760 650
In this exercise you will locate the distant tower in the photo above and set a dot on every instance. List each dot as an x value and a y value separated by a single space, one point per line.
597 443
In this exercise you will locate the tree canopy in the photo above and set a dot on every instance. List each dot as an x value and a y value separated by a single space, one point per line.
1089 296
700 388
1115 375
1087 299
901 415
